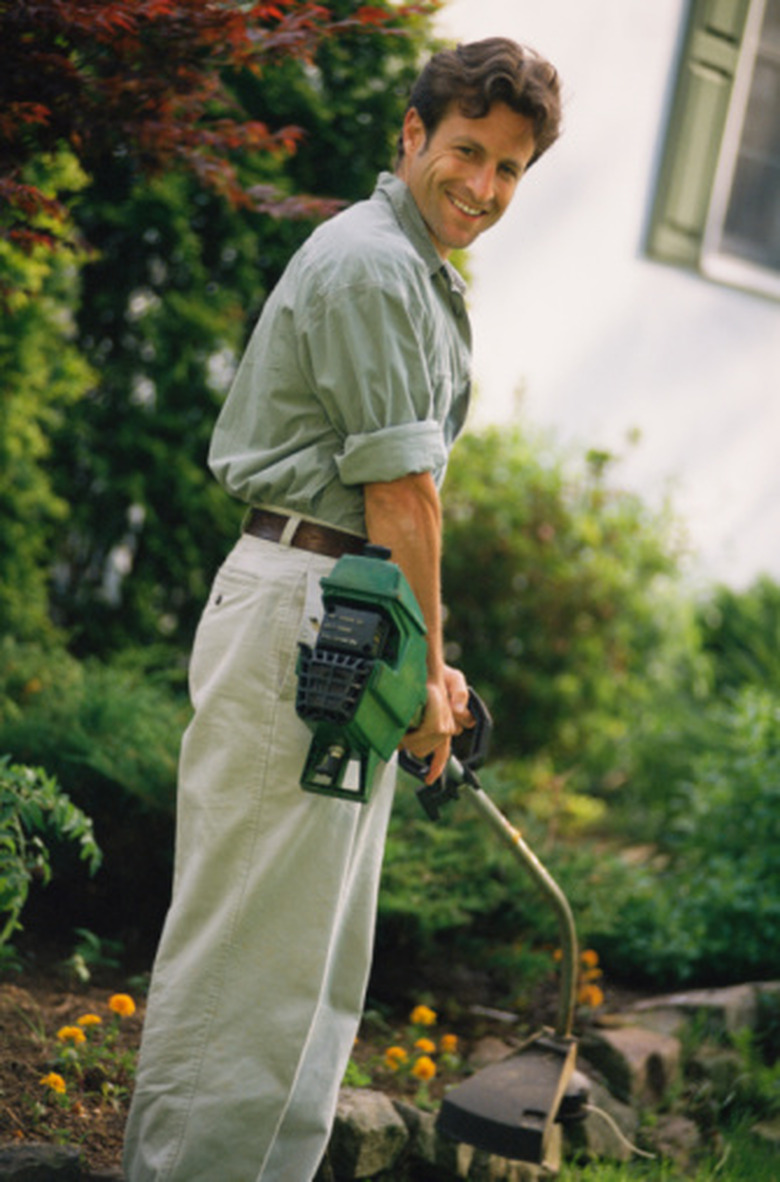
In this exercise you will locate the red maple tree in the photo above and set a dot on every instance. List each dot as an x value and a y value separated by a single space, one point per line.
147 78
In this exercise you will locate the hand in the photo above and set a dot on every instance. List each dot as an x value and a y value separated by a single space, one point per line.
458 695
431 739
446 714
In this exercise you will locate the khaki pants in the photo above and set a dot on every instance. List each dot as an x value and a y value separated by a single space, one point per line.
260 976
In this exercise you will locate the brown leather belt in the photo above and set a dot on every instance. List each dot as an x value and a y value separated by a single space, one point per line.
321 539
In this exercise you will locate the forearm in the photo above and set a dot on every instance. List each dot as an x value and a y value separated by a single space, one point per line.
405 516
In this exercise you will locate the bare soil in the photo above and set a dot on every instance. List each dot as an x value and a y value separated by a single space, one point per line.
91 1114
39 1002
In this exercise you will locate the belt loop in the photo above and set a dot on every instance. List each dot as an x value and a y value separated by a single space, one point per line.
290 527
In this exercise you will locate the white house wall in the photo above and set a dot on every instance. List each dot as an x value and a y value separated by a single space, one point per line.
604 342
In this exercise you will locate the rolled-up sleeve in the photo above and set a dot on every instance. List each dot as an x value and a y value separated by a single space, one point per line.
392 452
370 354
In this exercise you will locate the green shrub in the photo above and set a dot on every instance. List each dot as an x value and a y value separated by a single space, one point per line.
563 607
452 889
741 633
713 912
32 809
110 735
92 724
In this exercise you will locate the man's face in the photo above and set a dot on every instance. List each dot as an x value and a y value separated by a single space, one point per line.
464 177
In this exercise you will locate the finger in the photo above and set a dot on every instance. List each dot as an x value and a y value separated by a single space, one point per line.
457 689
439 762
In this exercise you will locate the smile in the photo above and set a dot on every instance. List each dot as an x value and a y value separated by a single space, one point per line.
469 210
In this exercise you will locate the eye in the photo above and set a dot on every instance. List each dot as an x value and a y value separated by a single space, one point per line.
465 150
510 172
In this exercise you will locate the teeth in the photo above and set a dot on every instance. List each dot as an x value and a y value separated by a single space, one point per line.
468 209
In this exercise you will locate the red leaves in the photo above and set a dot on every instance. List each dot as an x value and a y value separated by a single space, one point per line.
267 199
371 16
145 77
29 199
266 12
27 204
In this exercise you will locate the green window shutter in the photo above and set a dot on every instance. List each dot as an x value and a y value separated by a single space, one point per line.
695 129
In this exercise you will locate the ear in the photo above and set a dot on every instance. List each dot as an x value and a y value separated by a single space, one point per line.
414 133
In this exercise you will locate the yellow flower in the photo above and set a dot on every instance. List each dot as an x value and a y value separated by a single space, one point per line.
90 1020
423 1016
425 1045
449 1044
55 1082
122 1004
591 996
72 1034
424 1068
394 1057
590 958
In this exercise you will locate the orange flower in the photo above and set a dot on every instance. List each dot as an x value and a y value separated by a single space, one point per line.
591 996
449 1044
55 1082
72 1034
425 1045
394 1057
90 1020
424 1068
422 1016
122 1004
590 958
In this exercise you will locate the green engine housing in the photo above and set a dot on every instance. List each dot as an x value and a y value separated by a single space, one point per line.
363 684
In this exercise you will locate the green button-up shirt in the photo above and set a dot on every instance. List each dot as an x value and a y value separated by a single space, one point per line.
357 371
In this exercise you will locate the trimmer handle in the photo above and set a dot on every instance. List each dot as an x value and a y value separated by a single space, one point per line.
472 747
469 752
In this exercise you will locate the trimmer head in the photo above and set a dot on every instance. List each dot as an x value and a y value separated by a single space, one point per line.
510 1108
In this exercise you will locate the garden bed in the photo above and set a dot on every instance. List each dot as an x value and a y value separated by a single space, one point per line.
39 1006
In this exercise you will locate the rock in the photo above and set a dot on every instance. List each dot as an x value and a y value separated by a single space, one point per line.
368 1134
638 1064
676 1138
440 1157
721 1067
421 1131
489 1050
325 1171
670 1022
608 1130
768 1130
40 1163
486 1167
728 1009
505 1016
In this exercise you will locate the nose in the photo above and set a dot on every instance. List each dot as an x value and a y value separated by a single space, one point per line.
482 183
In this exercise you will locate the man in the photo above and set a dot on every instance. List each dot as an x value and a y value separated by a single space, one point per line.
337 429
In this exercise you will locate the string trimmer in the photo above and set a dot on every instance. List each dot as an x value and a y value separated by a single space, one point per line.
515 1107
361 688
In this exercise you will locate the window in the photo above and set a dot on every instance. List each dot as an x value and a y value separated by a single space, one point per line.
717 204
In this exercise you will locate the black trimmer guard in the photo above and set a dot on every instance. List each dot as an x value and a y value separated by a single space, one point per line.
510 1107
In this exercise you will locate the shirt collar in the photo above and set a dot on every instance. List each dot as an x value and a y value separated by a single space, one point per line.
411 222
